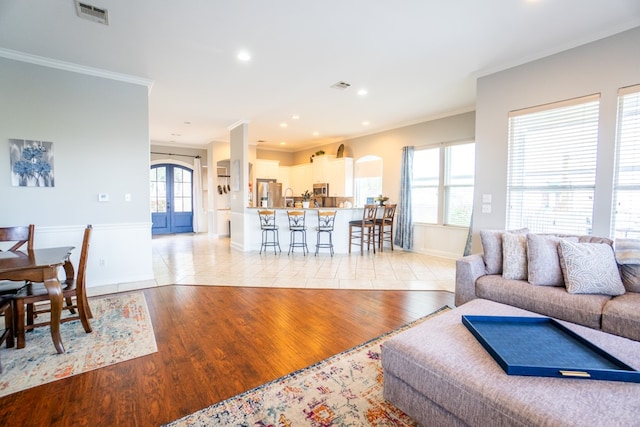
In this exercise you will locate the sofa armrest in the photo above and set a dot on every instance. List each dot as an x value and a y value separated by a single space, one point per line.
468 269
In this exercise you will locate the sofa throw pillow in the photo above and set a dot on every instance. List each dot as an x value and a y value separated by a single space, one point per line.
492 248
590 268
630 277
543 260
627 251
514 256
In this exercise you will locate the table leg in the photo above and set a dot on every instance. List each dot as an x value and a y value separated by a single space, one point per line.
55 296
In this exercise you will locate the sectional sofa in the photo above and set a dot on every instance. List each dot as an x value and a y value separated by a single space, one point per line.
587 280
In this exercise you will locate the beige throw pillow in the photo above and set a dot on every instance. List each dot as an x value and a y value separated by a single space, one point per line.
492 248
590 268
514 256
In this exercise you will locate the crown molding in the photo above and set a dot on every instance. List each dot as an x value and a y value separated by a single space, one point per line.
74 68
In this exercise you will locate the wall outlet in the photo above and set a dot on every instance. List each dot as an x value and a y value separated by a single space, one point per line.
102 262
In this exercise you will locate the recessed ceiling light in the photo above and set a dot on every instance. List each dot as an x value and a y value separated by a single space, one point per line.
365 123
244 56
362 92
283 143
295 117
283 125
316 133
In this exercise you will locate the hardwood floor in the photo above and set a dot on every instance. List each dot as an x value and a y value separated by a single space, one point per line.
216 342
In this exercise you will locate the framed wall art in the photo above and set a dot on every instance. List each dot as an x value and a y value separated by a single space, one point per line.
31 163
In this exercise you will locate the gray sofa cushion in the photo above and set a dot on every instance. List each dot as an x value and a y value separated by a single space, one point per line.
543 259
548 300
620 316
630 277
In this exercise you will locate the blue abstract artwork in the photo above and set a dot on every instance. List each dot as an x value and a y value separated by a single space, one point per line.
31 163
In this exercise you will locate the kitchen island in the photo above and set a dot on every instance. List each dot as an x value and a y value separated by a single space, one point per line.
340 231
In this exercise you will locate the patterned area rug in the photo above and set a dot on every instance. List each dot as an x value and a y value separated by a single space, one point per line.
122 330
344 390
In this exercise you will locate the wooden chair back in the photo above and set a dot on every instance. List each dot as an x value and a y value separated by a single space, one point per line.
389 212
369 214
20 235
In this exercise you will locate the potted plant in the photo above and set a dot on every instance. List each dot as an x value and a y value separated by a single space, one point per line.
306 196
381 199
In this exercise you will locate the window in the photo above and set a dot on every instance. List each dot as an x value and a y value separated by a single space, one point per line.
552 166
425 186
626 187
458 184
367 179
442 190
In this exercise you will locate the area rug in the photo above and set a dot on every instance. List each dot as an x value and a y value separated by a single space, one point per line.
122 331
344 390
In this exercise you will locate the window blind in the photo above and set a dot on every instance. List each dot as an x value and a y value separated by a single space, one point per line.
552 166
626 192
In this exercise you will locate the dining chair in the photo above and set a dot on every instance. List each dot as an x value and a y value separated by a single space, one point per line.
16 236
268 226
385 226
6 334
363 230
72 288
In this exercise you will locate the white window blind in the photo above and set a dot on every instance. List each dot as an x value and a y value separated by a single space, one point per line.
626 192
552 166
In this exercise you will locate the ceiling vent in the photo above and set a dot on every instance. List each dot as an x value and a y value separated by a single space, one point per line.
340 85
92 13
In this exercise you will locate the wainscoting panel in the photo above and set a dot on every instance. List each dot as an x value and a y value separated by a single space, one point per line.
119 253
439 240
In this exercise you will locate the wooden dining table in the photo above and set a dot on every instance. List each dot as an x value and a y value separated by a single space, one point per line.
40 265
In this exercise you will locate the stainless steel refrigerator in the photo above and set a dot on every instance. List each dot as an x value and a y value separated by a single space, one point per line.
268 193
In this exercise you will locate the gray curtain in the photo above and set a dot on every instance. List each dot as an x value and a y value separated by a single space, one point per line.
404 225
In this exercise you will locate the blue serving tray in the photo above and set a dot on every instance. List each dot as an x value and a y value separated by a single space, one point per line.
541 346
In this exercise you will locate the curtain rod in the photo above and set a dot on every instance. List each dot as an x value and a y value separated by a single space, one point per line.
172 154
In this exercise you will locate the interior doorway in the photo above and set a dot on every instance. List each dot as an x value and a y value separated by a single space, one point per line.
171 199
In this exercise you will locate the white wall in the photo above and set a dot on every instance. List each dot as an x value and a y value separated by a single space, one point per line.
99 130
599 67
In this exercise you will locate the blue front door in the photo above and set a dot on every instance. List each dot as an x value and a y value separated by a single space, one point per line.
171 199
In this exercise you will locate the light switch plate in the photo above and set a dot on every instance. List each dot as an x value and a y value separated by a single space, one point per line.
486 198
103 197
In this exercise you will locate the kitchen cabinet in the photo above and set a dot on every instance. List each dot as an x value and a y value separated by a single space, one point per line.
320 167
284 176
340 174
266 169
223 220
301 179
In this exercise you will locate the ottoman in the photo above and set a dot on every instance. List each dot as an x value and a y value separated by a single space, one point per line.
439 374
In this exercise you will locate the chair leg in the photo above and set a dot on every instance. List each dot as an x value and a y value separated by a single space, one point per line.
18 324
8 321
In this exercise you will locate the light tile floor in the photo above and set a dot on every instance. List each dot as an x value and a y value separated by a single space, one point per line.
205 260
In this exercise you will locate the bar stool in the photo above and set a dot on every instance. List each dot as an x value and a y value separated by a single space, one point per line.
385 226
297 225
364 230
268 225
326 219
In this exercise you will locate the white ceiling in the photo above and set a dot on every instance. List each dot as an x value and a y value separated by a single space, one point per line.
418 59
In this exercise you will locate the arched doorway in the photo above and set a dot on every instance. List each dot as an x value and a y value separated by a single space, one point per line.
171 199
